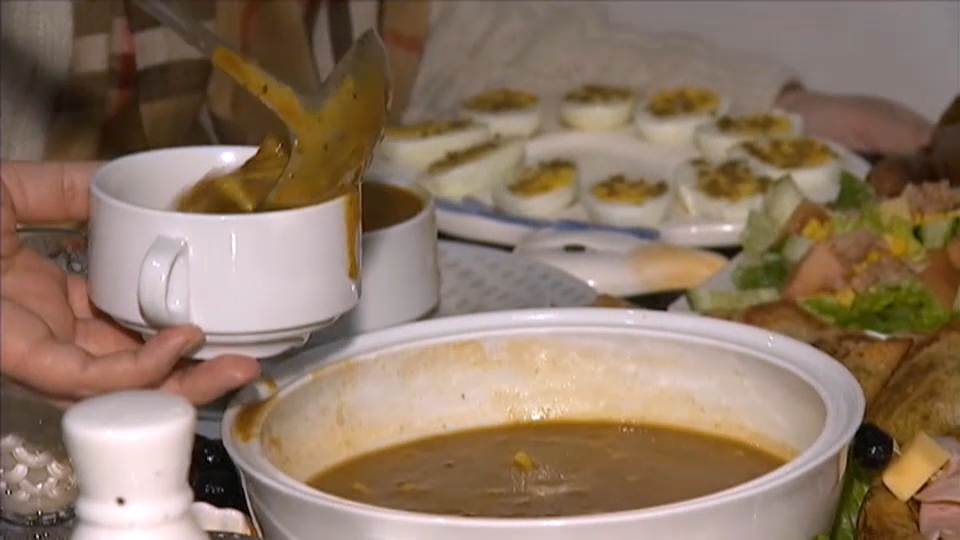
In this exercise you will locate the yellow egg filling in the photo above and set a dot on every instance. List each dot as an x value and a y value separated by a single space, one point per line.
620 189
683 100
544 178
732 180
756 124
791 153
429 128
455 159
598 93
501 99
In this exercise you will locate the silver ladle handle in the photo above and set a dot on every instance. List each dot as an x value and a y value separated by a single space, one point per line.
187 27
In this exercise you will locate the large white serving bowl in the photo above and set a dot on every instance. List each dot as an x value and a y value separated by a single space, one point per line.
445 375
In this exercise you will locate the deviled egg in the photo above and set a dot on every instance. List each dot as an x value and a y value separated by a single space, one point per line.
671 116
813 164
418 145
539 191
725 191
505 112
627 202
596 107
715 139
475 169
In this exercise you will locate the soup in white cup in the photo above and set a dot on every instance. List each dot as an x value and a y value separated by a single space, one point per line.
400 276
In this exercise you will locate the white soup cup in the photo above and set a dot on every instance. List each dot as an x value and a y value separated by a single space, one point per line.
256 284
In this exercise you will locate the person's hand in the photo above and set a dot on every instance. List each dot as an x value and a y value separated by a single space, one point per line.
53 340
861 123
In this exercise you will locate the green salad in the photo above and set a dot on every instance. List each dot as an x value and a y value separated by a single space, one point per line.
861 263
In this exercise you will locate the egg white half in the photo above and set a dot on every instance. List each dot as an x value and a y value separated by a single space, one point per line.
418 152
819 183
649 214
715 145
511 123
541 205
478 175
701 205
674 130
597 116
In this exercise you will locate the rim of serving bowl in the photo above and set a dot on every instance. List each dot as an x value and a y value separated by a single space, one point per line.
163 154
843 411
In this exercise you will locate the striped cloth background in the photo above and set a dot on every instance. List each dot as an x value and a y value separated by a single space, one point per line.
135 85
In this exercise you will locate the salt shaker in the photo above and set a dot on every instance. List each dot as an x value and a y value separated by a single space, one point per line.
131 454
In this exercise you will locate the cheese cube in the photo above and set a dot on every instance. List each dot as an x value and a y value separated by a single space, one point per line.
920 460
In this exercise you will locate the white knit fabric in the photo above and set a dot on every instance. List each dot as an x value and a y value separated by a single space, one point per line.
41 32
548 47
541 46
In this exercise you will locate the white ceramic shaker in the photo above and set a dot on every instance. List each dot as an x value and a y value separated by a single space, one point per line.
131 454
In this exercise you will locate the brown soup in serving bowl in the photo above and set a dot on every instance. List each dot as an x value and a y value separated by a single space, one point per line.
559 424
546 469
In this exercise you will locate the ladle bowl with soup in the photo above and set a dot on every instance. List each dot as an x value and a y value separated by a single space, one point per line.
557 424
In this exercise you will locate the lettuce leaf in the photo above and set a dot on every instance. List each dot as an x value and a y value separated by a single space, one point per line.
868 218
903 307
854 192
770 271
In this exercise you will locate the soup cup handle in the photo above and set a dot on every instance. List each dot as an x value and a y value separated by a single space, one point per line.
153 286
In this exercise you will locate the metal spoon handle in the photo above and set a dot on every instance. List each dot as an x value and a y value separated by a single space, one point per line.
187 27
242 70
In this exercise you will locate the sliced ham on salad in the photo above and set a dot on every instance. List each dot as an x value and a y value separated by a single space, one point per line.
940 499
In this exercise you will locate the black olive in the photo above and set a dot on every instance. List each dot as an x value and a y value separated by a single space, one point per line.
872 447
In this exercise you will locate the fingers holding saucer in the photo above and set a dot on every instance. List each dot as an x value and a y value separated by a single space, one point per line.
204 381
68 371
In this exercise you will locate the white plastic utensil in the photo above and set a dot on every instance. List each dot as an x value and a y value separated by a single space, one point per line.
620 264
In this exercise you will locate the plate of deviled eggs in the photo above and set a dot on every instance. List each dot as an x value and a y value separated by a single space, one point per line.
675 164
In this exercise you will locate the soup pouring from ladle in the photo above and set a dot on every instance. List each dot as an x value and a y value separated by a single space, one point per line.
332 134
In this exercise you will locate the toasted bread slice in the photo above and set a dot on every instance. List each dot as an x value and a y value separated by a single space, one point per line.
785 317
884 517
924 393
872 361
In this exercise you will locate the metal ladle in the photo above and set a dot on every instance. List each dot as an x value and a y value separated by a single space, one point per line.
332 133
